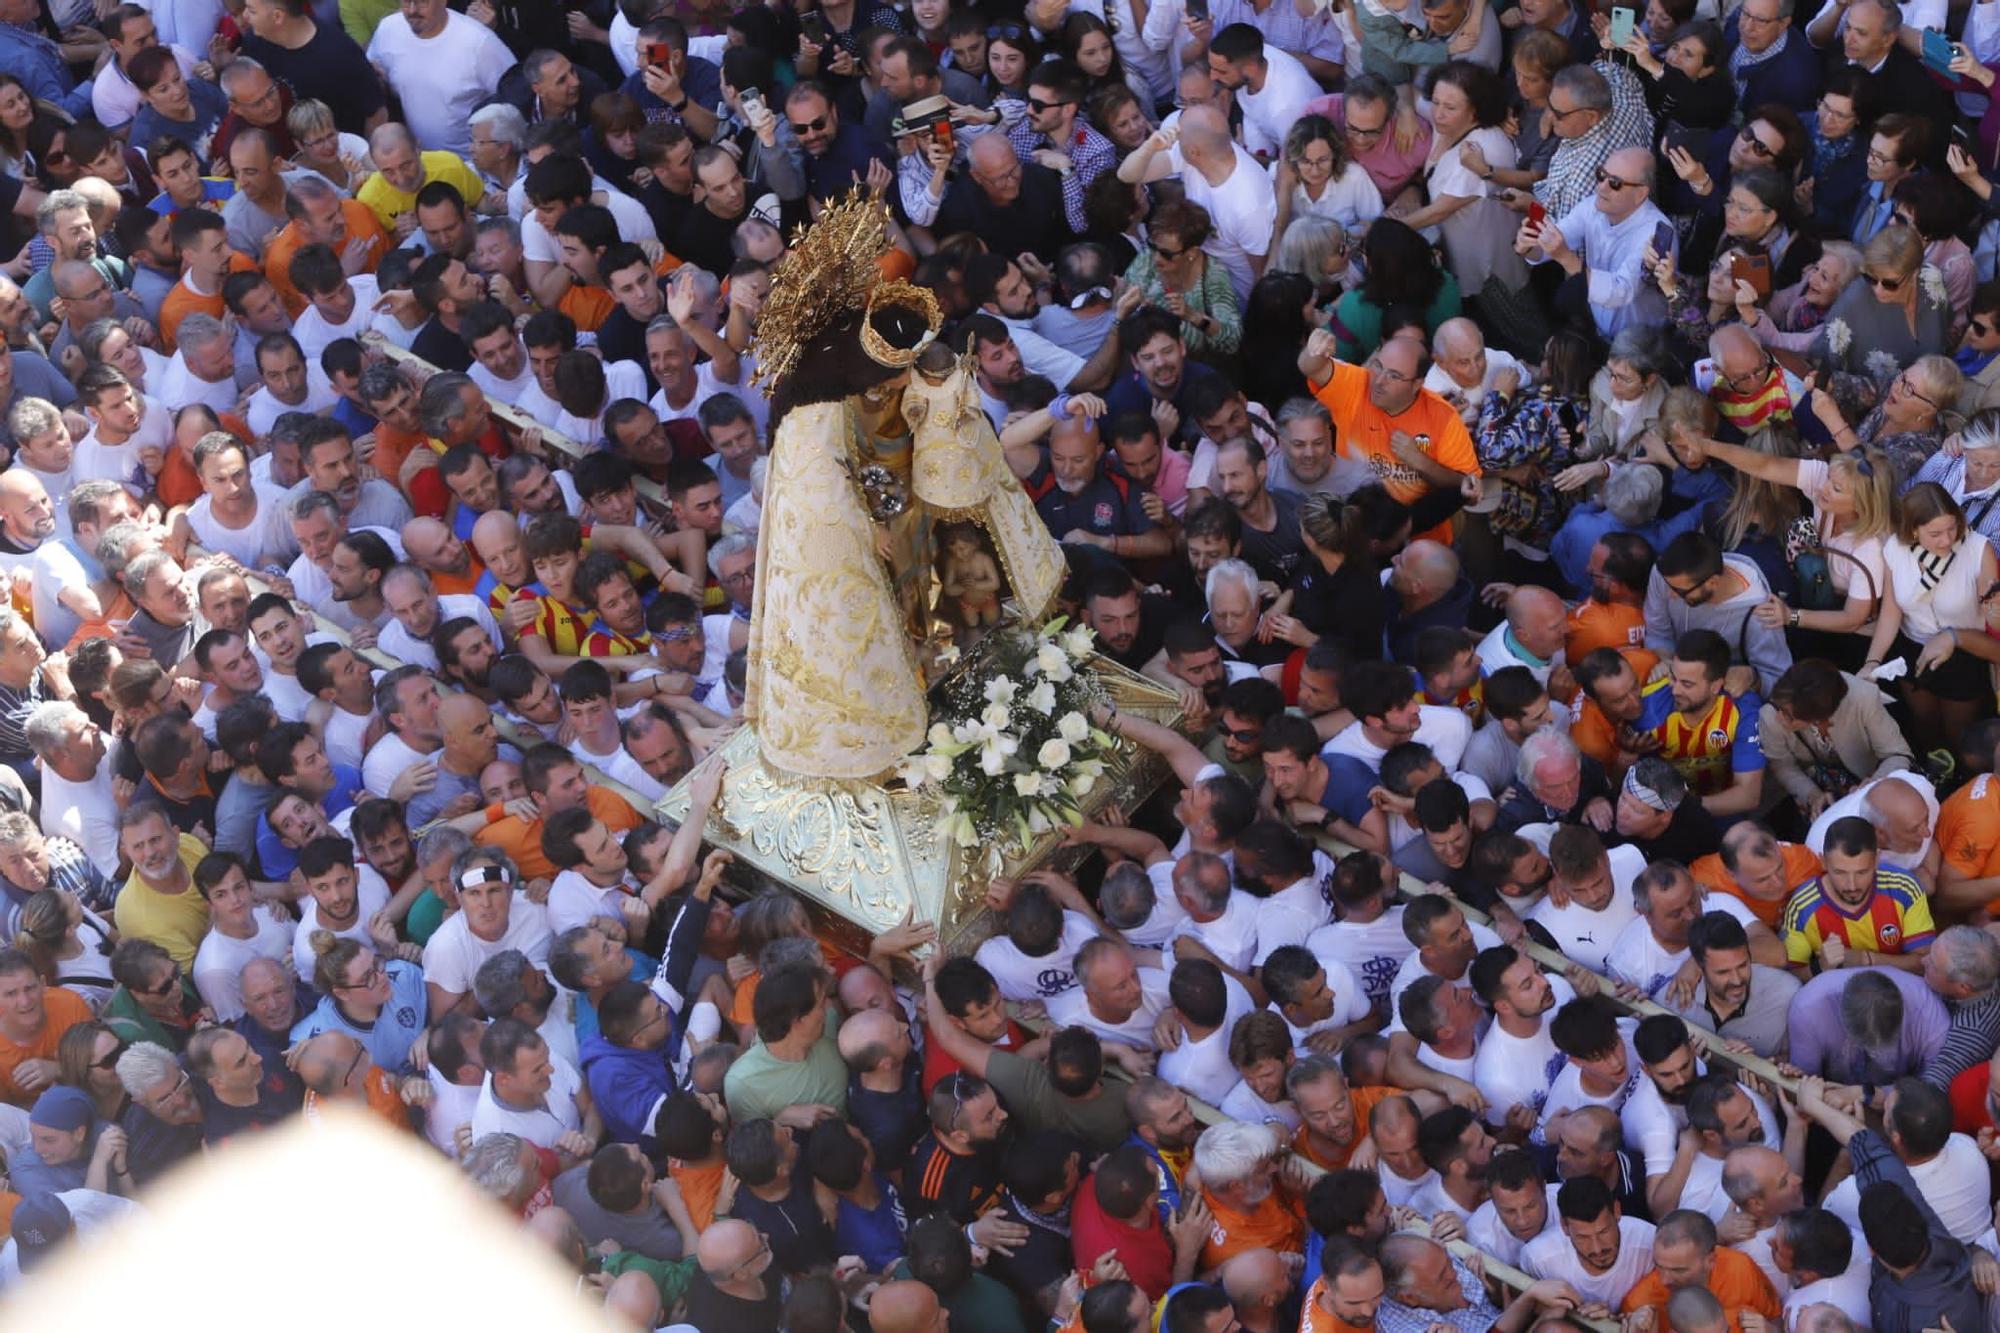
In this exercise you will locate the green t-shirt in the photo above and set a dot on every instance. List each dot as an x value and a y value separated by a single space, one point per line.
759 1084
1100 1121
982 1305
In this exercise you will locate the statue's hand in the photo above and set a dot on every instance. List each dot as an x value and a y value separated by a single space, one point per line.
885 545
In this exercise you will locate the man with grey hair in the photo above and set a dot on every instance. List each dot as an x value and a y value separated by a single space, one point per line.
162 1123
1235 597
29 676
77 801
1305 460
1464 368
505 1168
507 985
442 65
1629 502
732 562
1425 1286
1963 969
87 296
417 609
1594 110
203 369
498 138
1555 783
1601 244
63 219
1239 1165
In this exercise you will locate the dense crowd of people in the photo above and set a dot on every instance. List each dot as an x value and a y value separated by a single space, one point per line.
1551 455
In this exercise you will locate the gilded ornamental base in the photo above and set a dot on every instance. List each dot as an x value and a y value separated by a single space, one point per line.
863 854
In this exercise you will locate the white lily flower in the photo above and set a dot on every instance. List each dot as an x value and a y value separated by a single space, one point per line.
1042 699
1000 690
996 716
940 734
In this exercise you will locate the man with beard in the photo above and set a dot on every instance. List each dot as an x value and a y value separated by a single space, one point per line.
1656 813
1517 1061
1458 1148
327 453
1655 1116
1589 899
1601 1253
465 655
1084 504
1129 624
1192 661
1652 952
319 529
159 902
654 754
1738 999
1164 1126
1271 540
1161 372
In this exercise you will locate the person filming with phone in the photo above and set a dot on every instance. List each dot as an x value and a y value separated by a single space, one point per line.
1602 244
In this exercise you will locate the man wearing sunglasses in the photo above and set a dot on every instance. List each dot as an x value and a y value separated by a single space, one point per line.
1602 243
1978 357
838 154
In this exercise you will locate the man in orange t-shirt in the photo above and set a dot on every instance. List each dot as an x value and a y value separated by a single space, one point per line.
33 1018
1251 1207
1685 1254
1614 613
555 783
319 216
1334 1114
1381 410
1347 1295
1757 870
1968 839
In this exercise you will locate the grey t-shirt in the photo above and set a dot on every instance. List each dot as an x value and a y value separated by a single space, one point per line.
34 377
649 1232
238 810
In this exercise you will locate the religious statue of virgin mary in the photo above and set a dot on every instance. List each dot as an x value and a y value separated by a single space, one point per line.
837 650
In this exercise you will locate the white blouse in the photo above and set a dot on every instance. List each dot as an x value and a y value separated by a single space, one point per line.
1867 551
1952 604
1350 199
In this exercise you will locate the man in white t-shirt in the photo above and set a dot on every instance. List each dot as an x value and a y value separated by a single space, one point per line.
1589 900
1321 1002
1520 1208
1600 1253
1034 957
443 66
1271 85
1652 951
1208 1003
1367 938
1949 1171
491 917
1115 998
1463 367
240 929
417 610
77 800
342 898
1517 1061
1221 176
534 1094
1394 713
407 701
1222 919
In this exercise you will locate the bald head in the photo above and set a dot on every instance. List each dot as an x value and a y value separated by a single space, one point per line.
869 1037
1631 164
323 1061
1538 619
75 280
1696 1310
1901 816
1456 337
1255 1277
635 1298
1433 562
725 1247
989 153
905 1307
1735 350
1204 132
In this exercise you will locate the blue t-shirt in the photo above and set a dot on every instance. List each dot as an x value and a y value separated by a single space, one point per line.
1348 782
876 1235
279 861
585 1017
394 1030
209 106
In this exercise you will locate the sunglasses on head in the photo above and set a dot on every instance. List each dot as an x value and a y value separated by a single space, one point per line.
1006 32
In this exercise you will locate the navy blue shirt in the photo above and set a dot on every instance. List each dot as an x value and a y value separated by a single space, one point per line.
701 82
1128 393
845 163
1099 508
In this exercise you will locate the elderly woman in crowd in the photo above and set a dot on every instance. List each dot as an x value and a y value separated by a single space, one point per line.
1897 311
1177 274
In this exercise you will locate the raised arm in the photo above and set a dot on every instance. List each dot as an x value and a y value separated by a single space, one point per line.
1179 752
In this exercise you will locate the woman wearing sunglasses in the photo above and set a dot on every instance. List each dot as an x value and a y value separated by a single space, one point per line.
1771 138
1177 275
1938 209
1978 354
87 1059
1940 571
1894 313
